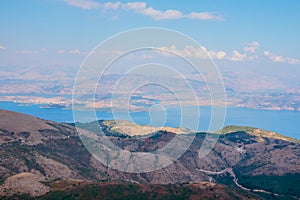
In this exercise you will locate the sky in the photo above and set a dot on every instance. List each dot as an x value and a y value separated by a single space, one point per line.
235 33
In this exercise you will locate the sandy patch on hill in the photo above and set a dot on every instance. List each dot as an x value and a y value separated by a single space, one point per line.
24 183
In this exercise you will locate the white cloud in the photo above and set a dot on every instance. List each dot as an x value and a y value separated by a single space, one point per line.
141 8
2 47
157 14
188 51
279 58
72 51
193 52
202 53
75 51
111 6
251 47
293 61
237 56
217 55
134 6
273 57
84 4
204 16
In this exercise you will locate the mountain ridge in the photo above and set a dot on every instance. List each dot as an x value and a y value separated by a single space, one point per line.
60 155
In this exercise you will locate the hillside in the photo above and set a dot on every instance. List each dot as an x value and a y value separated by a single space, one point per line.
129 128
44 153
259 133
114 190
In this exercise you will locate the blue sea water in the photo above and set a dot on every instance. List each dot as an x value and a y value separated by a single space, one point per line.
283 122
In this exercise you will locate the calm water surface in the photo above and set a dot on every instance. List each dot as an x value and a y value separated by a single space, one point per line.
284 122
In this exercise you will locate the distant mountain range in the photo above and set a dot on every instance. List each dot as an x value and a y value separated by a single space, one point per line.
41 159
53 86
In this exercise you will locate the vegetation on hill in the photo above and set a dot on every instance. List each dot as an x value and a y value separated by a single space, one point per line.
50 152
130 191
260 133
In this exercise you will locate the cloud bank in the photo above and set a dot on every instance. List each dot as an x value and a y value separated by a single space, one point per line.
249 53
143 9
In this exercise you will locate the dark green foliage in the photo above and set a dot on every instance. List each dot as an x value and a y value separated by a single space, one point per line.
287 185
18 197
113 192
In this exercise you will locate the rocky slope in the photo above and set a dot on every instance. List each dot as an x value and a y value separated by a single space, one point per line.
38 153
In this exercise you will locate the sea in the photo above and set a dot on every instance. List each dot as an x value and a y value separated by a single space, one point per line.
281 121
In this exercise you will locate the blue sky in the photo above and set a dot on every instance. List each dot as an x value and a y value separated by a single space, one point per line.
61 32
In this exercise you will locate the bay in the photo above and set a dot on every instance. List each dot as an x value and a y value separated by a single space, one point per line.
281 121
